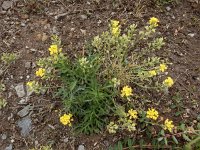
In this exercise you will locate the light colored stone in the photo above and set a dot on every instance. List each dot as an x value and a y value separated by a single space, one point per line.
20 90
28 64
6 5
81 147
191 34
26 125
25 111
10 147
3 136
168 8
84 17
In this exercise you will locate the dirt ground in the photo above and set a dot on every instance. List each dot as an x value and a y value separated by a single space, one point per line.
26 28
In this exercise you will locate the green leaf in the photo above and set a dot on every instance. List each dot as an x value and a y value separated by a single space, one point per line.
72 85
130 144
119 145
174 139
166 141
185 137
160 139
182 127
162 132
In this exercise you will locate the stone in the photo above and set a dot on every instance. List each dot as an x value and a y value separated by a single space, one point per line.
20 90
84 17
26 125
81 147
44 37
23 24
10 147
25 111
3 136
6 5
191 34
168 8
66 140
28 64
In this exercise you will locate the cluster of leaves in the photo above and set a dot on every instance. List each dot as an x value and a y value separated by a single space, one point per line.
189 134
5 61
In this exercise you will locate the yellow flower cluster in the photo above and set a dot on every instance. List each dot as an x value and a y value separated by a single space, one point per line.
163 67
153 21
32 85
115 28
40 72
168 82
152 73
66 119
132 114
168 125
112 127
126 91
54 50
152 114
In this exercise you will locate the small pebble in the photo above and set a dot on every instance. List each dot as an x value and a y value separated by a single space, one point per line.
168 8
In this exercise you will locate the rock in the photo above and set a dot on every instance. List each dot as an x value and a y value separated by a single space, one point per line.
191 34
20 90
25 111
44 37
28 64
26 125
168 8
6 5
81 147
23 24
84 17
66 140
83 31
10 147
3 136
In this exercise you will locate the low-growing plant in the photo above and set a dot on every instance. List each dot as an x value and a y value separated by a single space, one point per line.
3 103
98 84
162 140
6 60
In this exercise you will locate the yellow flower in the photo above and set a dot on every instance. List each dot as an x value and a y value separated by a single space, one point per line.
168 125
153 21
112 127
152 73
132 114
115 28
152 114
163 67
40 72
126 91
114 23
66 119
53 49
115 31
30 84
168 82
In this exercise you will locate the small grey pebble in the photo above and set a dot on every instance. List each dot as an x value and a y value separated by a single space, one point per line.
3 136
81 147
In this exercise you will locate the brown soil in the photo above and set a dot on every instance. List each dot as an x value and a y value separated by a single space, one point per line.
26 29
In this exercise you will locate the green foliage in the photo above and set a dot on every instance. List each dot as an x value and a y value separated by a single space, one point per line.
165 2
8 58
48 147
3 103
89 85
83 94
128 56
